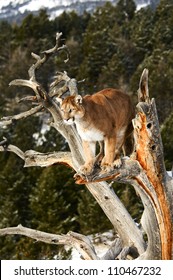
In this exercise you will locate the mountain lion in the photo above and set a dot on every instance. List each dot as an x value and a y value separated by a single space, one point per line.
103 117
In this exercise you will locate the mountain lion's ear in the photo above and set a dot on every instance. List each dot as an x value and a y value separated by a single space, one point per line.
78 99
59 100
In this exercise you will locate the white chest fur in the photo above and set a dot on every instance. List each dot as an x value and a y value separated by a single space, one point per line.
90 133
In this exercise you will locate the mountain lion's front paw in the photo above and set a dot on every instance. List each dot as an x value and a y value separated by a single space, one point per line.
117 162
106 167
86 169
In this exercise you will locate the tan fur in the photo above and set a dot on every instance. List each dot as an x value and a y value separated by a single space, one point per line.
105 117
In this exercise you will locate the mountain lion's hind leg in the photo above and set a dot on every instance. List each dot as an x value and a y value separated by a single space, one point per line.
119 144
100 155
108 160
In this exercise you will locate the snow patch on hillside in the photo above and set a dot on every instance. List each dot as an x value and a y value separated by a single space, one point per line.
143 5
101 241
33 5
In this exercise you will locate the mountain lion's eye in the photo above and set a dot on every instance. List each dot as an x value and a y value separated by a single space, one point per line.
70 111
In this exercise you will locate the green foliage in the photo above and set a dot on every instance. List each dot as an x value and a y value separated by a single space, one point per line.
167 138
163 25
72 25
53 204
36 28
91 217
51 200
130 199
125 10
16 184
6 39
97 45
121 65
160 65
141 33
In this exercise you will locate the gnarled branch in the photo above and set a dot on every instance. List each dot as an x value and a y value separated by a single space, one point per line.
33 158
73 239
81 243
11 119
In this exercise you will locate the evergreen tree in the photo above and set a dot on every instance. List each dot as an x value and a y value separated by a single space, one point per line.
141 33
6 47
35 27
97 46
91 218
167 138
16 184
106 43
130 199
121 66
125 10
53 204
163 25
160 72
72 25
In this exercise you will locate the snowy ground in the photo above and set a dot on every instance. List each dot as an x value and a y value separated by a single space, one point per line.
170 173
101 242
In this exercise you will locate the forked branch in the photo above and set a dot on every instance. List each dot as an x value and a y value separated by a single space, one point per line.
76 240
42 97
143 91
81 243
33 158
46 55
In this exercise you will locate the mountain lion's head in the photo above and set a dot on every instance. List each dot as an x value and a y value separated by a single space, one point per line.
71 108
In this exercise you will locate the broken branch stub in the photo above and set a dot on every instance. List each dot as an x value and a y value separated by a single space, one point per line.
143 91
46 55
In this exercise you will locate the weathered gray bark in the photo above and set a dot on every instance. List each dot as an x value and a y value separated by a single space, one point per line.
144 170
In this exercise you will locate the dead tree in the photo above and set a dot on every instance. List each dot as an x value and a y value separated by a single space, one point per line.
144 170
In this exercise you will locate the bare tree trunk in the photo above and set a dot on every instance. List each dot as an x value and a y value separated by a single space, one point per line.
144 170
